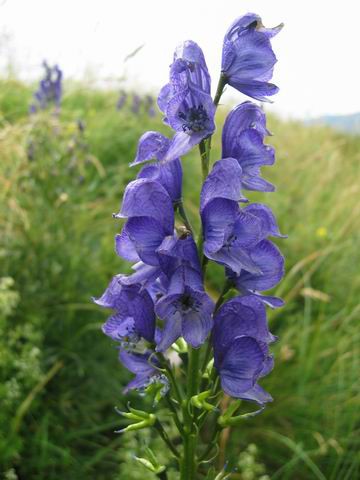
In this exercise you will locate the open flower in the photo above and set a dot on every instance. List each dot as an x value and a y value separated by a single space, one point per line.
247 57
186 100
187 313
241 354
134 316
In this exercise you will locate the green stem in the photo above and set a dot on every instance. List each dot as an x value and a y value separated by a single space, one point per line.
166 438
220 89
193 372
175 415
183 215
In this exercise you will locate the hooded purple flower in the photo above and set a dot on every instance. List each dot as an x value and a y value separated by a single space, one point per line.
241 353
134 312
248 59
186 310
154 146
186 100
243 139
144 369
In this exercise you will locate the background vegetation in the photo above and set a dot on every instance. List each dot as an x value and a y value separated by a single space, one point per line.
60 379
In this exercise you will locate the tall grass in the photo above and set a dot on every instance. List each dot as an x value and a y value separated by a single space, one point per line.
58 189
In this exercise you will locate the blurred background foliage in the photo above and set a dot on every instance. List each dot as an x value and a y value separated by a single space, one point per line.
61 177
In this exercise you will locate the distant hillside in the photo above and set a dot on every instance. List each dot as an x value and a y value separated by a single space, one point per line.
345 123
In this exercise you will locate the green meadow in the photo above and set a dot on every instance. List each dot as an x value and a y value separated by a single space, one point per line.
59 375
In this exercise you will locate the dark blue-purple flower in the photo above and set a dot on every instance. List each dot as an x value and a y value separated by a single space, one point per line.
134 315
186 311
243 139
186 100
248 59
229 233
241 353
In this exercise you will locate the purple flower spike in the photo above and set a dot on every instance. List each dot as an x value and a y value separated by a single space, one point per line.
248 59
187 314
242 138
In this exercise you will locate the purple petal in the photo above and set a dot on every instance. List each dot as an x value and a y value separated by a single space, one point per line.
247 229
189 61
252 181
185 276
250 150
152 145
181 250
164 97
117 327
257 394
271 263
111 294
272 302
125 248
241 366
224 181
146 198
245 116
255 89
136 362
146 234
237 317
182 143
169 175
269 224
218 217
197 323
143 274
233 257
191 111
172 318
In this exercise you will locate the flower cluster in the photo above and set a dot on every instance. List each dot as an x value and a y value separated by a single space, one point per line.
164 298
49 91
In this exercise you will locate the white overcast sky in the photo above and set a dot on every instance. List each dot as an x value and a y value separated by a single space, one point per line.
318 71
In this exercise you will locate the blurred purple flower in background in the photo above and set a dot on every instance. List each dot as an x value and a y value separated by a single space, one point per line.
49 91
